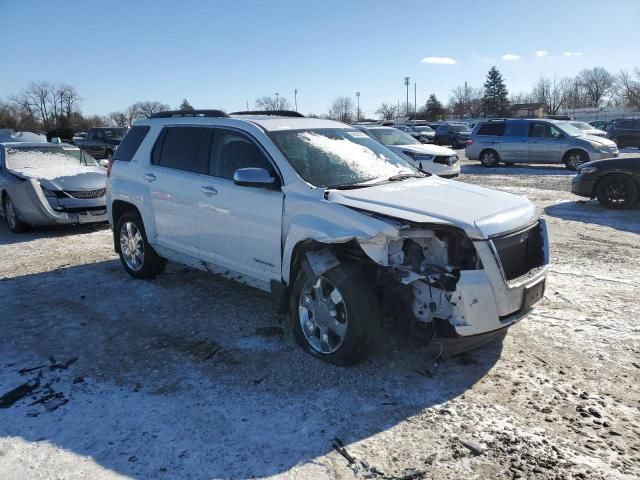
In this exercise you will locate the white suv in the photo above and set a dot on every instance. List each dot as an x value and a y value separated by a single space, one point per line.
335 225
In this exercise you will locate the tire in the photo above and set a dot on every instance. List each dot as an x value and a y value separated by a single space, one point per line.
454 144
617 142
617 191
356 313
489 159
146 263
574 158
10 215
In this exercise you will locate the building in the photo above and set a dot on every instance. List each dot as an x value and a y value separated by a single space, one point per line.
528 110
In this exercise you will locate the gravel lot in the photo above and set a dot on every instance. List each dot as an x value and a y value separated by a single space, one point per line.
192 376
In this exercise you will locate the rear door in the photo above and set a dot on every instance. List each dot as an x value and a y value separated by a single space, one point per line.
515 142
545 143
240 228
178 168
93 143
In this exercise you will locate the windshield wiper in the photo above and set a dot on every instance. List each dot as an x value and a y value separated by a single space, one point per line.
404 176
348 186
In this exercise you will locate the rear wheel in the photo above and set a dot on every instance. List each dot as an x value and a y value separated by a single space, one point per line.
335 316
574 158
617 191
138 258
13 222
489 158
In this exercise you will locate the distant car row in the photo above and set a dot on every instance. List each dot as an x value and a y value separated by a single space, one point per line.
625 132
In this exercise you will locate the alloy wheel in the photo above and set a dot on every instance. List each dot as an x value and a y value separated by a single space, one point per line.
616 193
131 246
323 316
10 213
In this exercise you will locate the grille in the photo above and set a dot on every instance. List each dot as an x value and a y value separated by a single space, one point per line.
87 193
520 252
600 135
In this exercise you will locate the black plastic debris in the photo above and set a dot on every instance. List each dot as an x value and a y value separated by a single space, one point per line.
62 365
12 396
338 446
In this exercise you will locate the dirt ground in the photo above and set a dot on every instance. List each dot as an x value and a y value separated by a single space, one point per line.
192 376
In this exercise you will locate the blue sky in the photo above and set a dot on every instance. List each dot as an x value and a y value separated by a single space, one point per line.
221 54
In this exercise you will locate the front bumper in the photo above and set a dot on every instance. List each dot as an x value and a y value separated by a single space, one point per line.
583 186
33 207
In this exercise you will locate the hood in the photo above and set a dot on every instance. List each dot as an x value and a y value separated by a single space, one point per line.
72 177
601 140
424 149
480 212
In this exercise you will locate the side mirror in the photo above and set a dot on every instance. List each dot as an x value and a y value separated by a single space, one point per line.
104 163
556 135
254 177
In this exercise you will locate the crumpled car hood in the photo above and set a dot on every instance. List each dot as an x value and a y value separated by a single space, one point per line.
479 211
71 178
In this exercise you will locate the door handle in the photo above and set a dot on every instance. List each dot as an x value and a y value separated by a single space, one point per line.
209 191
149 177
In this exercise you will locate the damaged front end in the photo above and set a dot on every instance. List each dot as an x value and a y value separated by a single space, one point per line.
448 285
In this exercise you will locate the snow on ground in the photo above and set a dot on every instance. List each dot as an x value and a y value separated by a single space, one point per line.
192 376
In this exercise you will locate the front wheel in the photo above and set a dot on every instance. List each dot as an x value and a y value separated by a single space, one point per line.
335 316
574 159
617 191
489 159
13 222
138 258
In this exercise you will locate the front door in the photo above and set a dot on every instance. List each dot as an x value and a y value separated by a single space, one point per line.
515 144
545 143
240 227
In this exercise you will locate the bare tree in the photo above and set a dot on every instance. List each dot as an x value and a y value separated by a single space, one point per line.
342 109
520 97
552 93
466 101
272 103
597 83
387 111
119 119
628 87
148 108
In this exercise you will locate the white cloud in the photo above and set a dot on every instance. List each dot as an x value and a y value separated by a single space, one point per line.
510 57
541 53
439 60
573 54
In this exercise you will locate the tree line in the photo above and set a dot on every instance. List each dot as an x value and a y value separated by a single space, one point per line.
47 106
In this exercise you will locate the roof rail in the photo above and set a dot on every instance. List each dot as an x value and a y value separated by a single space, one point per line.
189 113
277 113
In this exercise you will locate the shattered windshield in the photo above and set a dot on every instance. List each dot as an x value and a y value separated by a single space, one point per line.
47 157
332 157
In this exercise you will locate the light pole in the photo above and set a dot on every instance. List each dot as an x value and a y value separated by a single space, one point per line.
295 98
406 83
415 99
358 111
277 102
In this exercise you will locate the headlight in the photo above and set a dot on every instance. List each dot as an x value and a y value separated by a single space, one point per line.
453 159
585 170
47 193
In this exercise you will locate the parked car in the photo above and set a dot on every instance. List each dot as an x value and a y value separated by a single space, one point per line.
588 129
102 142
454 134
614 182
79 137
440 161
330 221
625 132
46 184
422 133
597 124
535 141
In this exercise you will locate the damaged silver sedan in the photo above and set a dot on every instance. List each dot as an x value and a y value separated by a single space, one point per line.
48 184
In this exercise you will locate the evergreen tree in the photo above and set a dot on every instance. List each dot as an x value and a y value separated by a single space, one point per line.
434 109
496 95
185 105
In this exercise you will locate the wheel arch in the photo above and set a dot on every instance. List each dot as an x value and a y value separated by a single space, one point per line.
118 208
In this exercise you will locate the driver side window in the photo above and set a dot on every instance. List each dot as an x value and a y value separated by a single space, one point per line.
233 151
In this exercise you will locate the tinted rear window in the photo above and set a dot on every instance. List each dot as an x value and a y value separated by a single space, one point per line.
491 129
184 148
516 129
130 144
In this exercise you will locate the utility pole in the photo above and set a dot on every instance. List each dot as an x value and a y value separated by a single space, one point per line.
277 102
358 111
415 99
295 97
406 82
247 105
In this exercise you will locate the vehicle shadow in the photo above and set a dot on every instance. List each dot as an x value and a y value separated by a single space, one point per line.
190 375
517 169
7 237
590 212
